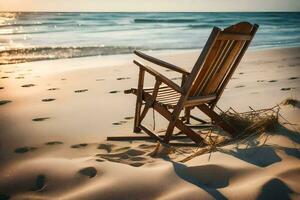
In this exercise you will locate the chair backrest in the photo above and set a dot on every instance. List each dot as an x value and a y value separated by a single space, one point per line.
219 59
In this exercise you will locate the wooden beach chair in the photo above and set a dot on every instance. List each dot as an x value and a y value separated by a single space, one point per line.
201 88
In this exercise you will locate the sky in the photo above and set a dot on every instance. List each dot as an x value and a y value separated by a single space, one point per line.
149 5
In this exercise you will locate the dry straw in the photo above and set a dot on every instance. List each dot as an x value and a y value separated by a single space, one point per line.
248 124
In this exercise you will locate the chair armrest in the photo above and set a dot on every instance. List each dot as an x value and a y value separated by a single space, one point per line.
159 76
160 62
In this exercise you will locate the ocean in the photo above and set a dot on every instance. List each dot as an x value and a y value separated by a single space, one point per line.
32 36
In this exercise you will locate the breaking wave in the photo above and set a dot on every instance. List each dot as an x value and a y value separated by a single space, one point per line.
18 55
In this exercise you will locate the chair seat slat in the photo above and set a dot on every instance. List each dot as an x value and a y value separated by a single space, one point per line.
234 36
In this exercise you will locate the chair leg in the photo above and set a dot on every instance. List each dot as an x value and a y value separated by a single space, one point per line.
171 126
187 113
169 131
139 99
144 112
138 107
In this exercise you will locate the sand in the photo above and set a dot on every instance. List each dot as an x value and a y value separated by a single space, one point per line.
55 116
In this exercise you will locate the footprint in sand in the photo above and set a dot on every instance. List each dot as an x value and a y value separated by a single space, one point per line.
125 155
19 77
76 146
137 158
99 160
293 78
134 152
2 102
40 119
241 73
136 164
294 65
80 91
287 89
128 118
47 100
146 146
260 81
273 81
24 149
106 147
4 197
40 183
88 171
239 86
119 123
114 91
63 79
1 88
53 143
51 89
123 78
121 149
3 77
28 85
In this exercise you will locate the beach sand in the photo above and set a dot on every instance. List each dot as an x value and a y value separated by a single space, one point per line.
55 116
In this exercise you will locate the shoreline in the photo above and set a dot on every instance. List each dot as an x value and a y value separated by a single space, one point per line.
154 52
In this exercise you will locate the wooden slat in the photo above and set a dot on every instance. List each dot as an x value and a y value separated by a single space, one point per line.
167 96
168 103
234 36
167 93
162 88
171 98
193 101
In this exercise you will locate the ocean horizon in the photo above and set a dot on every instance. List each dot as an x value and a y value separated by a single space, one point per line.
32 36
